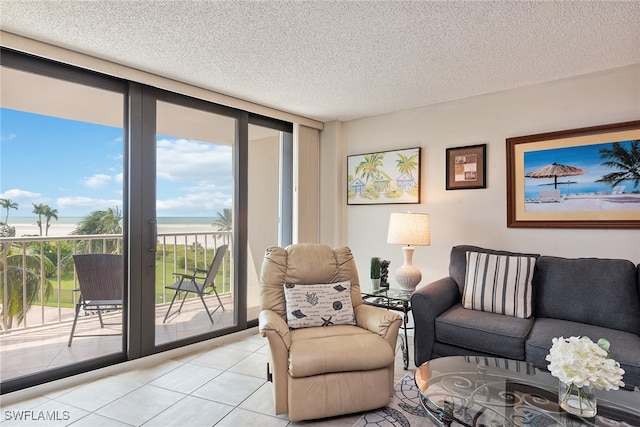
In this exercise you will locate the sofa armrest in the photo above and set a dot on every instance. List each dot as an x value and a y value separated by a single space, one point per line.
379 321
269 320
427 303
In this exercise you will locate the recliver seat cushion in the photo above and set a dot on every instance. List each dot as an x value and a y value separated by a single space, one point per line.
317 351
603 292
483 331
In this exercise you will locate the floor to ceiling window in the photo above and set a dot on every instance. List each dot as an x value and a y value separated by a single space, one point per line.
61 193
163 180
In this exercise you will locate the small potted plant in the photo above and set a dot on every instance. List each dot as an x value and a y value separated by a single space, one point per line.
375 273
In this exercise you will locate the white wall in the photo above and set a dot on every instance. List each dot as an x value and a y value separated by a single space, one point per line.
475 217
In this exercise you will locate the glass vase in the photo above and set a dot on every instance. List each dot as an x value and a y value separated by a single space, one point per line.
580 401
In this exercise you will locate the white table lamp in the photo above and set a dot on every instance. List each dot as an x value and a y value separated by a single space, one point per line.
408 229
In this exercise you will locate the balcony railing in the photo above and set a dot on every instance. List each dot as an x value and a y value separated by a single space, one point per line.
38 277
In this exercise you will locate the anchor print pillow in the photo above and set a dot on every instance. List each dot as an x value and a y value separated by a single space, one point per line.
319 305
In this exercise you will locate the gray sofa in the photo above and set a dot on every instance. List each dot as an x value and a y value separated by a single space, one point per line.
594 297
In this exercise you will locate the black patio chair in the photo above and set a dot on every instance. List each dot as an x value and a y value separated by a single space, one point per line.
201 282
101 283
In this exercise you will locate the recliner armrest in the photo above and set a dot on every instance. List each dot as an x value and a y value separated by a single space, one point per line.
376 319
269 320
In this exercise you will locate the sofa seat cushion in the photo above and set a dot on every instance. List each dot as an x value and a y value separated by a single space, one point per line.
340 348
624 345
484 332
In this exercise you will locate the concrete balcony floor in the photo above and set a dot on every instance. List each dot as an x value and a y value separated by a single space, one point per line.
35 349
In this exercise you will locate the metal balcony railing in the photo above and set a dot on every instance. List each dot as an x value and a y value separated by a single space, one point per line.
38 278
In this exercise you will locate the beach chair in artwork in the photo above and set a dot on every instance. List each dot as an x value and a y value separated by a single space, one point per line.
101 284
551 196
618 189
201 283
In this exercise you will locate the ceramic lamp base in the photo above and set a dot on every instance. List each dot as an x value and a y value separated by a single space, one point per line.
408 276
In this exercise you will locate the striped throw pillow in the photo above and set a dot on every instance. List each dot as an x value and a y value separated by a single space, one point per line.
499 283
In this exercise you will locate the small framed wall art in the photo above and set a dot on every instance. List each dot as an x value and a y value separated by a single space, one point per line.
383 178
466 167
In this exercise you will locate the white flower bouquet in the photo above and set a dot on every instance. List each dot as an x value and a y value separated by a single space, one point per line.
580 361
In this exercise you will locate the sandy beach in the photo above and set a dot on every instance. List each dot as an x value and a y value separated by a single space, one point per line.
59 230
589 202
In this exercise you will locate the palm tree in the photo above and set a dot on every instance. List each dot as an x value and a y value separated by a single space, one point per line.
627 161
224 220
49 213
8 204
407 164
39 210
102 222
23 269
370 167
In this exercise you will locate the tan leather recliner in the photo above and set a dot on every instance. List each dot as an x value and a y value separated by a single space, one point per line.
319 372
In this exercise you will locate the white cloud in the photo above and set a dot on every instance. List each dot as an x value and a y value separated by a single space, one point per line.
75 202
17 194
8 137
186 160
118 178
96 181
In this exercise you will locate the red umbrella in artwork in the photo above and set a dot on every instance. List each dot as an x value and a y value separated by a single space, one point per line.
555 170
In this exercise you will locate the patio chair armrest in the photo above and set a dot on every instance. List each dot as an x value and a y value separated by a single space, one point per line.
185 276
200 270
377 320
269 320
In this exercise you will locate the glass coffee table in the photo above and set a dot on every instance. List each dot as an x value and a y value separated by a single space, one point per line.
487 391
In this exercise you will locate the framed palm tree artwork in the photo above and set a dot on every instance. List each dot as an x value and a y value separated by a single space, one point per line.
384 177
577 178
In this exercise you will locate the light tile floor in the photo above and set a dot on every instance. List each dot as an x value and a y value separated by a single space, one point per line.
222 383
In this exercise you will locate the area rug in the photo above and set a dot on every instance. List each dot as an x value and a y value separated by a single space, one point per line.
404 409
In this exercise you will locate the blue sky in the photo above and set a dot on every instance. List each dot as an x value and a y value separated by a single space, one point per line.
585 157
77 167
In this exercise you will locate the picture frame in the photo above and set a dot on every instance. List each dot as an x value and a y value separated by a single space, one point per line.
466 167
384 177
571 178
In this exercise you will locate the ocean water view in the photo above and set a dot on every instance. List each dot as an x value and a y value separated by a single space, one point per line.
64 226
533 191
74 220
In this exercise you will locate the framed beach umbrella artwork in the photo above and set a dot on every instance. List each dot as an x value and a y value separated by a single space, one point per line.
579 178
384 177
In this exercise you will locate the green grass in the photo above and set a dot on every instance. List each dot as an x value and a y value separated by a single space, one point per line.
67 283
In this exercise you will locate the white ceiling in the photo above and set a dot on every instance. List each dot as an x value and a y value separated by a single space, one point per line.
339 60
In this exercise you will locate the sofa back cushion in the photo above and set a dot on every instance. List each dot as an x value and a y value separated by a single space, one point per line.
596 291
458 261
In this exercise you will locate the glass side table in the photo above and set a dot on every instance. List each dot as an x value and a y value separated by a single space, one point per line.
397 300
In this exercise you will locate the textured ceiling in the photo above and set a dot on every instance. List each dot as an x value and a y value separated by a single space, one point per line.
341 60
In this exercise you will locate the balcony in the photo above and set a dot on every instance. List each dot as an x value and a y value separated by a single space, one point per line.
39 341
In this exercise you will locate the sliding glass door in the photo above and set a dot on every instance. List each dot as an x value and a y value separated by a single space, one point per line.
194 212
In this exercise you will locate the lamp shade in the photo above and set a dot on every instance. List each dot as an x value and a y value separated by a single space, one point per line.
409 229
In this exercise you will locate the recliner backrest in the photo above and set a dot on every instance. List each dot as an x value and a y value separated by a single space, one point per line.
305 264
